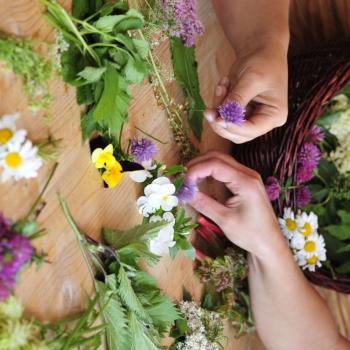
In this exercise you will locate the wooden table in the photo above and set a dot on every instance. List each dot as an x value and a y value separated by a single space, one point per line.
59 288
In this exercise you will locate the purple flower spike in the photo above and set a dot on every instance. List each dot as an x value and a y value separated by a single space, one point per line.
315 135
304 174
187 191
303 196
143 150
232 112
309 156
273 188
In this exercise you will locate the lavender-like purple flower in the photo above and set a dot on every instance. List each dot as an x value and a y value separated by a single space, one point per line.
187 191
273 188
187 25
232 112
315 135
309 156
143 150
15 252
303 196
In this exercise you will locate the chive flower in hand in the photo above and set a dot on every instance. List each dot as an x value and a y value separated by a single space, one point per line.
232 112
187 191
143 150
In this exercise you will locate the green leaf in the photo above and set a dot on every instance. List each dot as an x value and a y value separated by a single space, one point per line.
344 269
117 331
85 94
178 182
141 337
135 70
88 124
341 232
174 169
128 296
142 47
111 110
26 228
84 8
185 69
132 20
328 119
119 57
118 239
92 74
344 216
131 253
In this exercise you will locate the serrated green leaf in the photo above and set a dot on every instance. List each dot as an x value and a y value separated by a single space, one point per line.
133 252
117 331
106 23
88 124
92 74
111 110
341 232
85 94
118 239
185 69
128 296
135 70
142 47
133 19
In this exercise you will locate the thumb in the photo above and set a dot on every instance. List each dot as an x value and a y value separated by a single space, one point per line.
246 88
210 208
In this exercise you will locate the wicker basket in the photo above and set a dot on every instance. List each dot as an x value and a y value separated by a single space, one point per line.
314 79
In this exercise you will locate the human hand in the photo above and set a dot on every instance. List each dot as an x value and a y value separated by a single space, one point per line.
247 218
258 82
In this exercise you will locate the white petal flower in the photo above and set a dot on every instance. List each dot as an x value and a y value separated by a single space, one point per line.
307 223
140 175
160 194
165 239
8 128
144 207
297 241
149 164
288 223
20 161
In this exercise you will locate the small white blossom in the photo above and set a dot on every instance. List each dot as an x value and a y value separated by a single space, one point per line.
142 175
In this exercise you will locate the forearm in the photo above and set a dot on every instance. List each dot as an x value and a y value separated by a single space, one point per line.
254 23
289 313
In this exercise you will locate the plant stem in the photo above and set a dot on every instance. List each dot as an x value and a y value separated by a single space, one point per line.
149 135
37 201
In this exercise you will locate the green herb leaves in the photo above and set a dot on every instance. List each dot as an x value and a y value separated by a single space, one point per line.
103 59
185 69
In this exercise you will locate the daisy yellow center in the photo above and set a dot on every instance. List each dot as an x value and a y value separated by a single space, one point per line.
310 246
165 198
291 224
307 229
313 260
5 135
13 160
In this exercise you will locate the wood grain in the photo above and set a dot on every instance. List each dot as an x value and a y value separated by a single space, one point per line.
60 286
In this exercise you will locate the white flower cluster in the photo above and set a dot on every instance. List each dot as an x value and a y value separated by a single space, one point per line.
196 339
159 196
301 232
18 157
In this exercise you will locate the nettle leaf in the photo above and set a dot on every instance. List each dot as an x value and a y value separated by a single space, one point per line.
112 108
135 70
107 23
92 74
117 329
185 69
119 57
85 94
128 296
133 252
88 124
119 239
344 216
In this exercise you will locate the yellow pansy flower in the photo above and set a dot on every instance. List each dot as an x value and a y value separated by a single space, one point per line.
113 175
104 158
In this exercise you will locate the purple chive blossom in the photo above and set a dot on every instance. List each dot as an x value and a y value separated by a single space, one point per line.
15 252
273 188
143 150
315 135
232 112
187 25
308 158
303 196
187 191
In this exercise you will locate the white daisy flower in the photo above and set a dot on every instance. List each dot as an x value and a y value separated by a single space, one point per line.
165 239
297 241
8 130
20 161
142 175
312 253
160 194
307 223
288 223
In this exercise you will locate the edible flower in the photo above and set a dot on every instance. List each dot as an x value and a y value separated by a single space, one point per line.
103 158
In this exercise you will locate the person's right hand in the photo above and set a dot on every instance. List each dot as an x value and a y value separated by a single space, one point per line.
247 218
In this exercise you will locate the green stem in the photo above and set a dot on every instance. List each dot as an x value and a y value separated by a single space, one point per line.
39 198
149 135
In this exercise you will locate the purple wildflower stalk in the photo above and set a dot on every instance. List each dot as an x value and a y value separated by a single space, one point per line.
303 196
309 156
232 112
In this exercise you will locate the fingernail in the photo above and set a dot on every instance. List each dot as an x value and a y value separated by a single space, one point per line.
225 80
209 117
218 91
